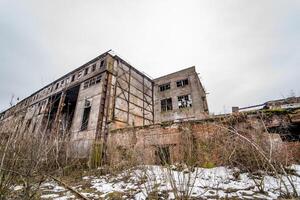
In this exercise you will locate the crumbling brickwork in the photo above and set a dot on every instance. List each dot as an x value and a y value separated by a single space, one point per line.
180 138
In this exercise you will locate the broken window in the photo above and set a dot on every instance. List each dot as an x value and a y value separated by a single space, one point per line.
166 104
164 87
86 84
73 78
92 81
163 155
98 79
184 101
86 71
182 83
86 115
93 67
102 63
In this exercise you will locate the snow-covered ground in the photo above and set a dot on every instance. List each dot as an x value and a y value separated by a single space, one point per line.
168 183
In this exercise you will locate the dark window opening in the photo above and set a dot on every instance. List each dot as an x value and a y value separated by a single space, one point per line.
164 87
166 104
67 113
102 63
93 67
86 84
162 155
182 83
184 101
73 78
56 87
98 79
86 115
86 71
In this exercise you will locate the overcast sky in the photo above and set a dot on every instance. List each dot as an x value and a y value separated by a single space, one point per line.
246 52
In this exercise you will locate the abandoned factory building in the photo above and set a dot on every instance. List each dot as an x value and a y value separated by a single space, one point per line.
105 94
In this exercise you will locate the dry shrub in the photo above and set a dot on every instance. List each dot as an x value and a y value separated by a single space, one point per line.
121 158
292 151
28 158
249 149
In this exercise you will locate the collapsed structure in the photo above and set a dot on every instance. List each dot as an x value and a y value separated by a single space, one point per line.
106 94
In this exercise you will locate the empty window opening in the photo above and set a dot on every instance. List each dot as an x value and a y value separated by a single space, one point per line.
67 113
184 101
166 104
86 71
93 67
53 105
69 108
102 63
86 84
56 87
162 155
164 87
98 79
182 83
73 78
86 115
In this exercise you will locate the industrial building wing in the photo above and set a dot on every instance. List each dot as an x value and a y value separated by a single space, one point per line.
106 94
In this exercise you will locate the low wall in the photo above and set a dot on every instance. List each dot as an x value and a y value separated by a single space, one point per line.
178 138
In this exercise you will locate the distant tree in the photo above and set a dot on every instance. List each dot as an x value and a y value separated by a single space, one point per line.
11 102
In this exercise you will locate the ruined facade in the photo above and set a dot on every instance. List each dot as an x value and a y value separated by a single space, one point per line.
179 96
105 94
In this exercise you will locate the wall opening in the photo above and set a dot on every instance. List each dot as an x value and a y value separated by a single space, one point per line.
52 111
69 108
288 133
67 112
166 104
86 115
162 155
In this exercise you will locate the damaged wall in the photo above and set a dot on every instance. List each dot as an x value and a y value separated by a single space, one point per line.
145 142
184 95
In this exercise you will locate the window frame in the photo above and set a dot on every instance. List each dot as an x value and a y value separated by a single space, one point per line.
166 105
185 102
164 87
182 82
86 115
